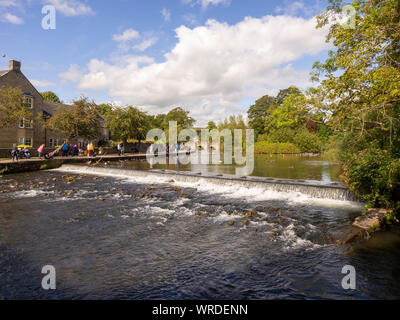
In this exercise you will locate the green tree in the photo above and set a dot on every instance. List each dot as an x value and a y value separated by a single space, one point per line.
12 107
50 96
291 112
179 115
81 119
259 113
361 78
128 123
104 108
211 125
360 83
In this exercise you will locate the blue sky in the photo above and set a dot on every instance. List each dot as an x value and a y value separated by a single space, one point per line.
212 57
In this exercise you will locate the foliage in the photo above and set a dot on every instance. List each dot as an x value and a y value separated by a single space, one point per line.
129 122
179 115
259 113
307 142
104 108
12 108
264 147
81 119
211 125
361 81
50 96
280 135
375 176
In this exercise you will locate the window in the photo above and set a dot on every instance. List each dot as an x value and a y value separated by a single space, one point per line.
28 102
52 142
25 141
26 124
28 141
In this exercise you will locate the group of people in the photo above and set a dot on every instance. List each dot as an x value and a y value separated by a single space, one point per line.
68 150
19 153
71 150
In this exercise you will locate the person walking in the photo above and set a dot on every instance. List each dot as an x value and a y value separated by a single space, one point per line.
14 153
65 150
40 151
88 149
119 149
91 148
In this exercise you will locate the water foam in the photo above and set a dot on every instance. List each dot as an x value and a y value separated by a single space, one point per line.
328 196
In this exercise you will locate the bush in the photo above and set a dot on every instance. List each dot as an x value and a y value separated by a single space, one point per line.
375 176
281 135
307 142
333 147
267 148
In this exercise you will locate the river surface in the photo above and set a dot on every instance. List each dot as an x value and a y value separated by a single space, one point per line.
277 166
141 237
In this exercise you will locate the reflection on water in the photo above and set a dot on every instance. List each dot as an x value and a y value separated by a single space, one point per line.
275 166
112 237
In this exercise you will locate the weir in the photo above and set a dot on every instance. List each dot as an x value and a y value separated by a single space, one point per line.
314 189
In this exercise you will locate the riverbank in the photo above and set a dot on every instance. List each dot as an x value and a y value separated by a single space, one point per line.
26 165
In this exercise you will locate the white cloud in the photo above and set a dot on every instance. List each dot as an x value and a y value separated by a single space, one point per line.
42 83
212 68
127 35
166 14
73 74
205 3
145 44
8 17
70 7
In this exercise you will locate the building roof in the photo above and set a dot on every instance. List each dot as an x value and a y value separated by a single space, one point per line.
50 108
3 72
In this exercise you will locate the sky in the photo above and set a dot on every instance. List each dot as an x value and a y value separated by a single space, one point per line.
213 58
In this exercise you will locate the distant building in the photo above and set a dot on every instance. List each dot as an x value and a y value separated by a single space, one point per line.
32 133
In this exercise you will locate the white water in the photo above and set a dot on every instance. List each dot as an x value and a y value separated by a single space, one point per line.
326 196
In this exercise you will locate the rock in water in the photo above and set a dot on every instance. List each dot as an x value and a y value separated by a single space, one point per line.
371 220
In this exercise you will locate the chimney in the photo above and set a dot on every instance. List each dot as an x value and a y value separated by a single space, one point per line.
15 65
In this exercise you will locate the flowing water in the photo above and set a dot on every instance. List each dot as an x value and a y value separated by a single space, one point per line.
117 233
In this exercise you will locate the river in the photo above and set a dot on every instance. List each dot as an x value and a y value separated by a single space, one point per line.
113 235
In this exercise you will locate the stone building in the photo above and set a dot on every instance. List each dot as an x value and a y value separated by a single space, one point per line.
31 133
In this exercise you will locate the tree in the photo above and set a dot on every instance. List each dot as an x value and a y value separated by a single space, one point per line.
211 125
361 86
259 112
285 93
290 112
104 108
128 123
50 96
156 122
81 119
12 107
179 115
361 78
